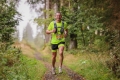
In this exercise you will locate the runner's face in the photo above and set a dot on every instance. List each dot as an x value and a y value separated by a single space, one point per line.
58 16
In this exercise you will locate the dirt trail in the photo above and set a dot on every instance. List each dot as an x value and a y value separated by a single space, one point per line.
49 76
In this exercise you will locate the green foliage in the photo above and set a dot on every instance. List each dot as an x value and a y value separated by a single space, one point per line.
15 66
95 15
7 23
114 62
9 63
84 19
100 44
47 20
9 56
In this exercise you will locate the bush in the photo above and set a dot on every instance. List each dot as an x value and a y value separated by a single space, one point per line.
114 62
11 66
101 45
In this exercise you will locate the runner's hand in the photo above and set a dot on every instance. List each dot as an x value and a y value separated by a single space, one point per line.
65 34
54 30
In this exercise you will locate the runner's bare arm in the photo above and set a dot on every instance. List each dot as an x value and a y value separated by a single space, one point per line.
50 31
66 33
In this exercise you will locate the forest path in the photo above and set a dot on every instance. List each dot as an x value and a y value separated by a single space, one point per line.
67 74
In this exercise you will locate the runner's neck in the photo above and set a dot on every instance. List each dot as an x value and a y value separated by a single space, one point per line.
58 21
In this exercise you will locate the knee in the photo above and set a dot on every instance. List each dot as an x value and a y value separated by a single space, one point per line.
54 56
61 54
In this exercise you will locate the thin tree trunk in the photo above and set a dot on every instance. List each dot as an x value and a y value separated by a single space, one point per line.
83 36
62 3
73 44
73 41
55 7
47 7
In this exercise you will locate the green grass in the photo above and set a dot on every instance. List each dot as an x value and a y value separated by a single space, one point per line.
29 68
34 68
91 70
14 67
90 65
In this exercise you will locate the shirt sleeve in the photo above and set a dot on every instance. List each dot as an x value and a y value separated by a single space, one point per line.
50 26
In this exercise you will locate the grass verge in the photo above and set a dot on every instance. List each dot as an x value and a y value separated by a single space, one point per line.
91 66
33 68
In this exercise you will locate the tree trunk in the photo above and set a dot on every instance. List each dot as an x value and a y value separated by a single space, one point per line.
47 7
62 3
73 44
57 5
73 41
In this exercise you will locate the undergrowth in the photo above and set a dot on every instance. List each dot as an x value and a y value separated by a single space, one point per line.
91 66
16 66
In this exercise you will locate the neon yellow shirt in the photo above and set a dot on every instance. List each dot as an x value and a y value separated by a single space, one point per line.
55 36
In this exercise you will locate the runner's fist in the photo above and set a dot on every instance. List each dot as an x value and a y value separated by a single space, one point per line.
54 30
65 34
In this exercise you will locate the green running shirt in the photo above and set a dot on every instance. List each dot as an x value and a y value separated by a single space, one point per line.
57 37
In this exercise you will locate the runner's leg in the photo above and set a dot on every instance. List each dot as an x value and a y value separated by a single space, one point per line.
54 54
61 49
53 59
